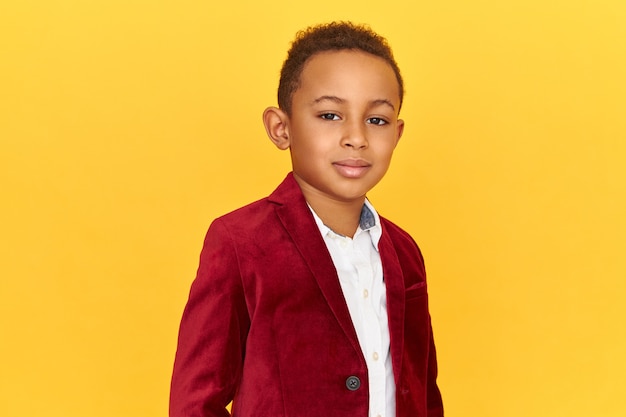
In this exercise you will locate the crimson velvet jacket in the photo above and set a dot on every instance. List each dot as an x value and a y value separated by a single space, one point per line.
267 326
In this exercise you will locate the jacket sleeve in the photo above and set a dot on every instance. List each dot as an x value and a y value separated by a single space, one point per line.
433 395
212 335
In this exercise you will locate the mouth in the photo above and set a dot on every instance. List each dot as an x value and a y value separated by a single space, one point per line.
352 168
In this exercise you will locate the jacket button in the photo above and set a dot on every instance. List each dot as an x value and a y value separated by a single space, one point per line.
353 383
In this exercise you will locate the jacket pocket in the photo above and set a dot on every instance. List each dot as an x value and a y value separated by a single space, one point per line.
415 291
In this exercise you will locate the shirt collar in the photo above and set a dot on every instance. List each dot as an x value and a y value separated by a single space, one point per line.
369 222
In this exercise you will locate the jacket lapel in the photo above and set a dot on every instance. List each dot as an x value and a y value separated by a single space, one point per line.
296 217
394 283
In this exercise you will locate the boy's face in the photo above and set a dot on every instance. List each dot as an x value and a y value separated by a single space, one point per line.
344 124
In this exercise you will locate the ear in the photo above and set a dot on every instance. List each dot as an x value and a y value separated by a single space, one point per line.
276 124
400 127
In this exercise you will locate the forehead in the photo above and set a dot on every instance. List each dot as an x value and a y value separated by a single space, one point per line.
349 74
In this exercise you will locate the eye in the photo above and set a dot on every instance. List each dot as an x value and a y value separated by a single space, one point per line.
329 116
376 121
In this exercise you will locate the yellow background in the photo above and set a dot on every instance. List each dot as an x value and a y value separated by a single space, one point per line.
126 126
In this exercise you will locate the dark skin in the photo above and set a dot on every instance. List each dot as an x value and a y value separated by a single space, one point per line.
341 133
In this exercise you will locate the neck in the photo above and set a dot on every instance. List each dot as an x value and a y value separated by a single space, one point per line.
342 216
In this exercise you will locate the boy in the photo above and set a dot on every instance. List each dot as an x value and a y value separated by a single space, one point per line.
307 303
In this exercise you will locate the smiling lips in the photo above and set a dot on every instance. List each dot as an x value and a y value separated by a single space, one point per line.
352 168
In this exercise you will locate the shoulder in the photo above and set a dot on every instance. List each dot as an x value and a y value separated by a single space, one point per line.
403 242
264 214
396 233
246 212
257 215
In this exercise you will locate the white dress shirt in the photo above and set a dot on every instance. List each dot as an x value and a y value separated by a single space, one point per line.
360 272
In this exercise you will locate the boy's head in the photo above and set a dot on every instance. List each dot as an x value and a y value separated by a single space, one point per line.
335 36
340 96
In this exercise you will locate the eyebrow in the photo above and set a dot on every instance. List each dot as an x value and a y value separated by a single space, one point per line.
339 100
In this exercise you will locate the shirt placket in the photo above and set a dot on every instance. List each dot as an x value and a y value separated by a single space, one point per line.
372 333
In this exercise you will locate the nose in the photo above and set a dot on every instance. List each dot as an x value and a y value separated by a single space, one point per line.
354 135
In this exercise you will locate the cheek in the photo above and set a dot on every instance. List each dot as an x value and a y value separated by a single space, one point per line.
384 148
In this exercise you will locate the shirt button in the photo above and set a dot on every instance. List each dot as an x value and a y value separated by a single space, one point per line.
375 356
353 383
365 293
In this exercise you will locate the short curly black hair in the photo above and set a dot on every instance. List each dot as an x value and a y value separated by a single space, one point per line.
334 36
